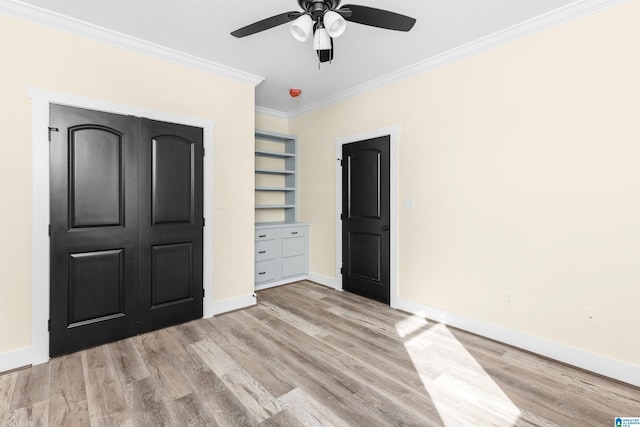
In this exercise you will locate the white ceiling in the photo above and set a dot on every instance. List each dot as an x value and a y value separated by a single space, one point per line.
201 28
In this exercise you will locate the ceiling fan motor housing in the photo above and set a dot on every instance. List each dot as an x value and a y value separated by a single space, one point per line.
317 8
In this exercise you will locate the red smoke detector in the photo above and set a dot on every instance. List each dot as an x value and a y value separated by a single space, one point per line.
295 92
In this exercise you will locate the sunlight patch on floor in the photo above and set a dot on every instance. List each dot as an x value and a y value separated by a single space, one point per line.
459 387
410 325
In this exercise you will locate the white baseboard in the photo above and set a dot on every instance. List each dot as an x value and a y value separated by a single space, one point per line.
232 304
322 280
280 282
608 367
15 359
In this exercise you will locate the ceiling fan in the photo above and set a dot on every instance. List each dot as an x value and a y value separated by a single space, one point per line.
326 20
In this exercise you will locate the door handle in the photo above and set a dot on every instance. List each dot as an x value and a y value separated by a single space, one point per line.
386 228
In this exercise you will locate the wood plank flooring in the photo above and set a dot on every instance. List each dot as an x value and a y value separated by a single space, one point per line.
307 355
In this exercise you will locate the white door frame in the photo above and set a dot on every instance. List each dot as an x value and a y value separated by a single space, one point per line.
394 138
40 222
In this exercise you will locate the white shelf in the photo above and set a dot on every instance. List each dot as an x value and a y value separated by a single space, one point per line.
275 189
275 154
275 206
276 171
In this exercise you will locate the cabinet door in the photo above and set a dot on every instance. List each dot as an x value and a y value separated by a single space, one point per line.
293 266
293 246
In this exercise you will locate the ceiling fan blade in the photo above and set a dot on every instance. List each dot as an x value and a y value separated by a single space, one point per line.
265 24
377 17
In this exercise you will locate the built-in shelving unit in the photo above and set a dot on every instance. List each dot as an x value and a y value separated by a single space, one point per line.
281 243
276 177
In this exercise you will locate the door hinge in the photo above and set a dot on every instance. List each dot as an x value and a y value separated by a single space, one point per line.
202 292
52 129
341 217
341 270
340 162
203 222
49 230
49 325
204 153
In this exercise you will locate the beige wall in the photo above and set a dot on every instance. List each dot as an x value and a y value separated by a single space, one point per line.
32 55
524 165
272 124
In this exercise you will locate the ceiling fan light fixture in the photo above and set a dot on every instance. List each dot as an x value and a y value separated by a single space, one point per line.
302 27
321 39
334 23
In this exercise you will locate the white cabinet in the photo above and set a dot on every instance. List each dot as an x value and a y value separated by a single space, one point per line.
281 254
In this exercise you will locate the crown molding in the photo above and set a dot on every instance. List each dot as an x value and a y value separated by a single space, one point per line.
271 112
535 25
61 22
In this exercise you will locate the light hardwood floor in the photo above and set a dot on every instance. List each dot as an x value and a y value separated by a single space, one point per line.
304 356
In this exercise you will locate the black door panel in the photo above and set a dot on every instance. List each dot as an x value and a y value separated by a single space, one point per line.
94 228
171 212
171 274
364 252
172 182
96 187
363 189
96 287
366 218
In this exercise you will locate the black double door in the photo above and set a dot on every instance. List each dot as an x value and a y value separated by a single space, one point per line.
366 218
126 226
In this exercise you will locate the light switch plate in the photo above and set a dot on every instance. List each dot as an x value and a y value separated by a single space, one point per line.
409 203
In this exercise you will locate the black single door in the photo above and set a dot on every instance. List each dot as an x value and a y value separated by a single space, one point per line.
171 216
94 228
366 218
